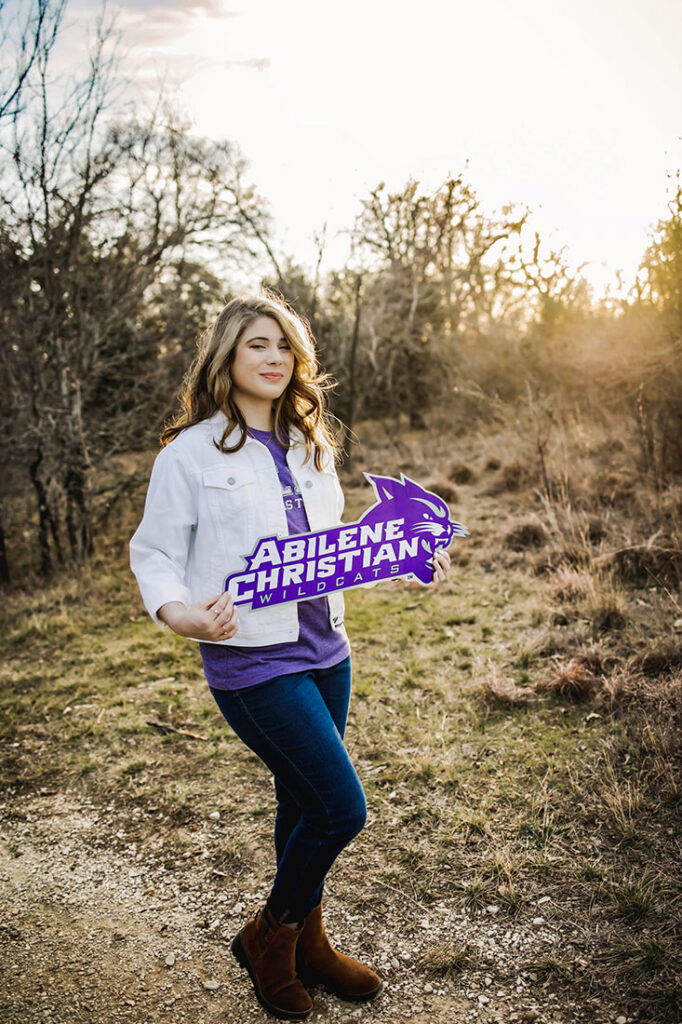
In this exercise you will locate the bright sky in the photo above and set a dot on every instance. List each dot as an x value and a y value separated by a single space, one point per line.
573 109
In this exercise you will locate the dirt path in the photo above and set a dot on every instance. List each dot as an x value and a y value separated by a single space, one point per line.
95 930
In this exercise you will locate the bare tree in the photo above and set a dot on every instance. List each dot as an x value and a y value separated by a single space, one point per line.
428 260
28 39
95 213
553 288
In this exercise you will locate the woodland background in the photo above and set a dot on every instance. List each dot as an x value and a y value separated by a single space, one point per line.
467 353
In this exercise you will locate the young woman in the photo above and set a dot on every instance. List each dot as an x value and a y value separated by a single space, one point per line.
251 455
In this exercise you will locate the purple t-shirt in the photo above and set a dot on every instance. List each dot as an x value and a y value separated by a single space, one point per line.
319 645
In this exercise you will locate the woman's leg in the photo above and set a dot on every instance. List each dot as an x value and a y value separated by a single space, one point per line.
334 685
288 723
317 959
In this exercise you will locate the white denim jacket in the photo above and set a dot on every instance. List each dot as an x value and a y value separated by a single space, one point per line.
206 510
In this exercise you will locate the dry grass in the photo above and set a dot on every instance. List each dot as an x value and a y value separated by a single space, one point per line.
443 488
658 561
578 680
448 958
571 585
514 745
497 689
461 473
658 661
512 477
528 534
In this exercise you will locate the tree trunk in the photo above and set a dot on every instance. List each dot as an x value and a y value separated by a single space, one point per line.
352 385
352 359
4 564
76 475
43 515
78 507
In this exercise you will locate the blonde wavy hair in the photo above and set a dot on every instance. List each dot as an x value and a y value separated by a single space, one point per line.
207 386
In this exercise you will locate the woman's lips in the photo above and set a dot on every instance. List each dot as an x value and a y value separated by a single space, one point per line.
272 376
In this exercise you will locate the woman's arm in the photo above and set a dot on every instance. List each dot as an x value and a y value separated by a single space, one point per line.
211 620
159 549
158 557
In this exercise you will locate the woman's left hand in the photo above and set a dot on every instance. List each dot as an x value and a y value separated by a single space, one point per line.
441 564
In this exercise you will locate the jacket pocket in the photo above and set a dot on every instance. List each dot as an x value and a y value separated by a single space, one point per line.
228 491
318 489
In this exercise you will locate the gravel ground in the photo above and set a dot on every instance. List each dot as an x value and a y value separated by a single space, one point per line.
95 928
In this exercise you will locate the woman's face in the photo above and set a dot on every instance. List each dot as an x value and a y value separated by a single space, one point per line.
263 362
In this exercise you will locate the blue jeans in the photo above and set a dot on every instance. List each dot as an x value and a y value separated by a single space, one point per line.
295 723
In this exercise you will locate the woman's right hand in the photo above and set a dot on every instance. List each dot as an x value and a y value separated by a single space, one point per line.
213 619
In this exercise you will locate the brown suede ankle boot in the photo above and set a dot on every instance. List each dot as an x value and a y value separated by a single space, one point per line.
268 951
318 961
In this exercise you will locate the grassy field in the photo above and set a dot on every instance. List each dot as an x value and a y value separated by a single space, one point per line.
517 732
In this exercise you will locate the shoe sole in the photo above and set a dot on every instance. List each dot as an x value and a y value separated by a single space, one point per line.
243 961
310 978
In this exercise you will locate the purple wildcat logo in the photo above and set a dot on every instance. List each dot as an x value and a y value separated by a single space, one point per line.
397 536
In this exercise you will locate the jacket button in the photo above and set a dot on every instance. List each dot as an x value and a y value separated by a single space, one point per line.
309 483
230 479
